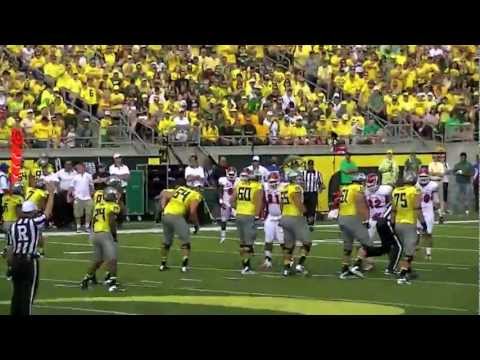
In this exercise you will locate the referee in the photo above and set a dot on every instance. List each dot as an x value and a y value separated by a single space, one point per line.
313 185
24 238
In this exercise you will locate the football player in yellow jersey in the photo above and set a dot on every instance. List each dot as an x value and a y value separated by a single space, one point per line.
247 200
104 239
353 218
38 195
177 205
406 210
294 223
36 169
11 206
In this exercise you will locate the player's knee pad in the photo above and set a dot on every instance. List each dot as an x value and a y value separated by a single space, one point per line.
186 246
347 252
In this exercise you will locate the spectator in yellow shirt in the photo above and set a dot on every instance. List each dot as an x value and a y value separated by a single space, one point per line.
53 68
117 99
90 96
285 133
345 129
105 123
322 130
209 133
393 109
262 132
42 133
56 129
5 132
165 124
299 133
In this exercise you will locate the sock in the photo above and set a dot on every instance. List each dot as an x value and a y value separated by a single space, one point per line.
185 261
246 262
302 259
428 251
268 255
164 261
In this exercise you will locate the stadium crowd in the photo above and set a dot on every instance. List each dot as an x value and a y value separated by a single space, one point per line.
229 95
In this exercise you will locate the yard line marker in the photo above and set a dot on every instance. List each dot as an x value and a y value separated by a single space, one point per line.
142 286
77 252
233 278
423 269
306 297
66 285
457 268
151 281
191 280
414 281
111 312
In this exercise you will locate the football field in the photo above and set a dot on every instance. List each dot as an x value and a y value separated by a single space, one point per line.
446 285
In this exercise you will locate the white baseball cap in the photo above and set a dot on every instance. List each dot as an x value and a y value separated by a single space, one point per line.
117 155
256 158
28 206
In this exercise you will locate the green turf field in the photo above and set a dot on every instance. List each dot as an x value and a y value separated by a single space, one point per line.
447 285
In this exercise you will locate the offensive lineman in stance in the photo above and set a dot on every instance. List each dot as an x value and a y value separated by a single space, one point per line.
248 204
177 204
294 224
430 204
272 228
225 196
104 239
406 211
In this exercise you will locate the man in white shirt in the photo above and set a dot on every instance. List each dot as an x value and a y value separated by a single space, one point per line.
80 191
194 174
256 167
120 170
437 172
182 126
65 177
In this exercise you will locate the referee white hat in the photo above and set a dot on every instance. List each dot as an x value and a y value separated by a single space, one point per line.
28 206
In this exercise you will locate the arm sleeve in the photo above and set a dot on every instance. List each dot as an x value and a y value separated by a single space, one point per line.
40 221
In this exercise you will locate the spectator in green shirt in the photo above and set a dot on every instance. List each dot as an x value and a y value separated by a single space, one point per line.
347 169
412 164
371 132
463 171
389 169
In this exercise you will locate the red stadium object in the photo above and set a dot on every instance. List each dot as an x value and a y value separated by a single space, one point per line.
16 153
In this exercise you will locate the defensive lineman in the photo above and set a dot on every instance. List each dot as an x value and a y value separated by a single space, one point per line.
406 211
177 204
430 204
294 223
104 239
225 195
248 204
272 228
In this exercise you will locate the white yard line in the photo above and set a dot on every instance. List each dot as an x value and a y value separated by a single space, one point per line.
77 252
238 271
111 312
207 229
323 241
151 281
325 299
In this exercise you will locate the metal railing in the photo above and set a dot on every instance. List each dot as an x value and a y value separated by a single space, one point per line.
460 132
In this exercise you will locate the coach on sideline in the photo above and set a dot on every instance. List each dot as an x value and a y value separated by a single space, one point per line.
119 169
22 255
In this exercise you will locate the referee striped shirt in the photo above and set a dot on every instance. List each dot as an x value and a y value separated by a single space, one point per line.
312 180
25 234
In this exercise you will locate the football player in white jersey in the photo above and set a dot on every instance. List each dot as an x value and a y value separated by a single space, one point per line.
430 203
225 187
378 197
273 231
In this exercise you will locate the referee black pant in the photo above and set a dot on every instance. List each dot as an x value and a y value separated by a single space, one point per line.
310 200
25 284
